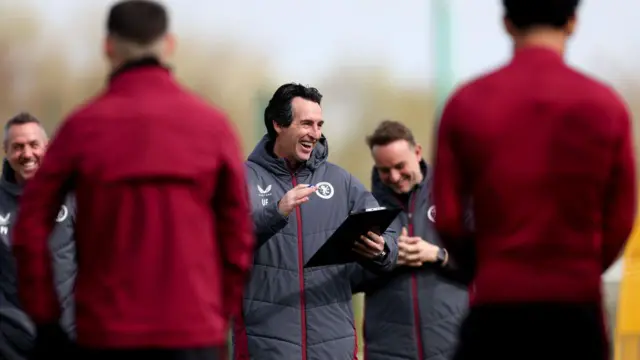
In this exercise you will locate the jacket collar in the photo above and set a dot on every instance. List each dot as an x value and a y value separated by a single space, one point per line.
263 155
536 54
8 180
146 62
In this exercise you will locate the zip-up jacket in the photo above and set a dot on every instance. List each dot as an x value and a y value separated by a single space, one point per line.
62 246
289 312
413 313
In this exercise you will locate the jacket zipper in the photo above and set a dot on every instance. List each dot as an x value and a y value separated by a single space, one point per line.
414 287
303 315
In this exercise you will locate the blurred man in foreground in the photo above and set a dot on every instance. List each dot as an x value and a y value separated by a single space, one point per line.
164 236
299 200
25 143
414 313
545 155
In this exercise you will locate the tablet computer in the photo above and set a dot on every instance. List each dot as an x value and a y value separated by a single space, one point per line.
338 249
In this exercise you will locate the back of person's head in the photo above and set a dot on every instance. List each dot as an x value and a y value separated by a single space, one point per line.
280 109
138 29
524 15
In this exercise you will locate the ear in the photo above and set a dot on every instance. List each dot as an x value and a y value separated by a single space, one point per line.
277 127
169 45
418 150
570 28
508 26
109 47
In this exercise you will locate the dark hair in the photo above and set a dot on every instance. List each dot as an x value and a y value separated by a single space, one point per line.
280 109
389 131
525 14
140 21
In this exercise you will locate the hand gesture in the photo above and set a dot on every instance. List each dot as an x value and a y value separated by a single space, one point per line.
370 246
414 251
295 197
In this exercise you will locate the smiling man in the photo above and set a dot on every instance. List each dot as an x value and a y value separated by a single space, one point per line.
299 199
415 313
25 142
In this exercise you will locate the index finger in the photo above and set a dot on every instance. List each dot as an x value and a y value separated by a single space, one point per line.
303 186
306 191
375 237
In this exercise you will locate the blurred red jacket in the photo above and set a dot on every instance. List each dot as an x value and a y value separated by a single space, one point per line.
544 154
164 235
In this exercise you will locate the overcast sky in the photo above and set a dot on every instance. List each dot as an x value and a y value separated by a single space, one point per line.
305 38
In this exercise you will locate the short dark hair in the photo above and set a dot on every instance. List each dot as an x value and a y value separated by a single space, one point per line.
280 109
525 14
142 22
390 131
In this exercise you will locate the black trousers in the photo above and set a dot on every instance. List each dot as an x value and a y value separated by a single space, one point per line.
208 353
534 331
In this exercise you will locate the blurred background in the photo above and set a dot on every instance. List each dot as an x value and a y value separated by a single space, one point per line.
372 59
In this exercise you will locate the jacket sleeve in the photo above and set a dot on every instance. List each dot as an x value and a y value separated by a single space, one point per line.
267 220
621 196
359 199
234 233
65 267
42 198
450 191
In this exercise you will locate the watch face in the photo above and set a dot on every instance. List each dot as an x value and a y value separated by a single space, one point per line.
441 255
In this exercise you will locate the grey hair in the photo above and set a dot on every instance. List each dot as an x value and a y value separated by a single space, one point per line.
21 119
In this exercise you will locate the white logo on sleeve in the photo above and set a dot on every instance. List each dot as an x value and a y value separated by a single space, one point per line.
325 190
431 213
264 194
62 214
4 224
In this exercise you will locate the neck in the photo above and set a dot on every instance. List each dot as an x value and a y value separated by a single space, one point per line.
117 64
280 153
551 39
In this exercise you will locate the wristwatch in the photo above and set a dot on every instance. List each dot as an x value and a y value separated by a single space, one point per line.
442 257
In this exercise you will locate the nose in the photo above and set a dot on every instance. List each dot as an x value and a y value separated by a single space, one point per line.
27 152
394 176
316 132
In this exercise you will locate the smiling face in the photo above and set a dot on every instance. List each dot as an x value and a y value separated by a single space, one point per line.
296 141
398 164
24 149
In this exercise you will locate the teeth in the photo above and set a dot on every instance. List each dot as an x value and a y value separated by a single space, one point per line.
306 143
29 165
